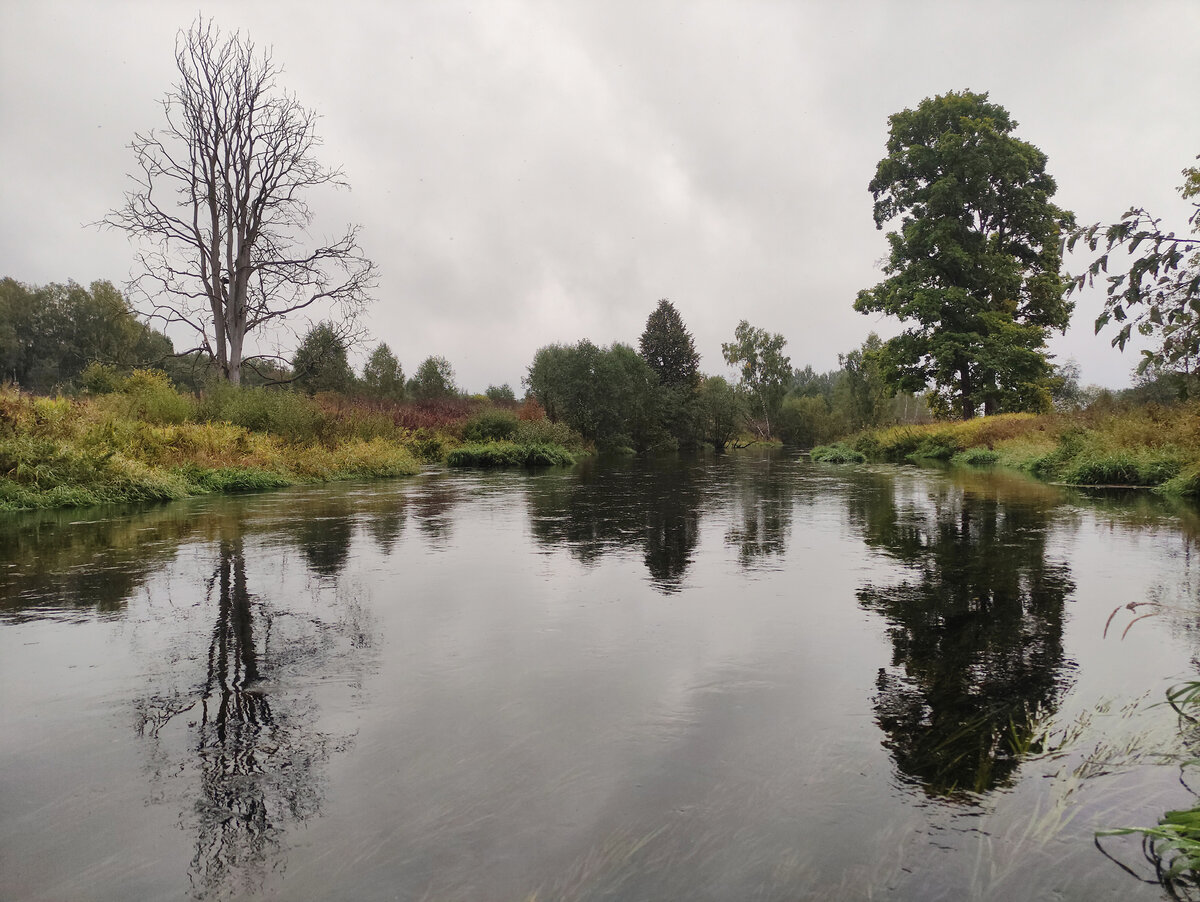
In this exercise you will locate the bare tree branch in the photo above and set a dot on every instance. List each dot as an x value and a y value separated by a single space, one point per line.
218 206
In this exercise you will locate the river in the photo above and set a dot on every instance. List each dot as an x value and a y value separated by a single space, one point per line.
739 678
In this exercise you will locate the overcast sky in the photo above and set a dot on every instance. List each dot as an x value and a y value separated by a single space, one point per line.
534 172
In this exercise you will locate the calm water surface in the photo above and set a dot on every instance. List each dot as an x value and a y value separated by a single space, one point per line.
749 678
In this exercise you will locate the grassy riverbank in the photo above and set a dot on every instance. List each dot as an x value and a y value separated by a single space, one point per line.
1154 446
148 442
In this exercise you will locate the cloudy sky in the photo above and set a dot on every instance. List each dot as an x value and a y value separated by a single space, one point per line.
529 172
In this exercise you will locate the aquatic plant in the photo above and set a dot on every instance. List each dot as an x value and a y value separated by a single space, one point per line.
837 454
1172 847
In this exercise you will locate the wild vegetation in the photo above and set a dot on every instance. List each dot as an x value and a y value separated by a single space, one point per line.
1108 444
146 441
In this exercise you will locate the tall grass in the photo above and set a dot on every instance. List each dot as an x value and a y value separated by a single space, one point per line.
148 443
136 439
1150 446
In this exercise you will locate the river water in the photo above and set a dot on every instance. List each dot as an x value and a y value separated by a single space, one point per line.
737 678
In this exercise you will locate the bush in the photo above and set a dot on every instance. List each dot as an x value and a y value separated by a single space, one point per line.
149 396
544 432
489 425
100 379
837 454
426 445
286 414
510 454
977 457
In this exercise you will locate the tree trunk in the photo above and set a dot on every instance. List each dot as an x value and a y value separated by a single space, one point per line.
966 391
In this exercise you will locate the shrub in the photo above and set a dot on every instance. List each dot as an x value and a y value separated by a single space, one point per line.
426 445
977 457
509 454
490 424
545 432
837 454
100 379
149 396
287 414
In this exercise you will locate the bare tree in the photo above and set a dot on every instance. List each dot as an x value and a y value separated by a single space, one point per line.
219 209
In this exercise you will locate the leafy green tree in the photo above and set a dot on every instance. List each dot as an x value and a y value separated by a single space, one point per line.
722 412
974 264
808 383
382 377
50 334
764 369
1160 293
810 420
320 363
500 394
667 346
862 393
610 396
433 380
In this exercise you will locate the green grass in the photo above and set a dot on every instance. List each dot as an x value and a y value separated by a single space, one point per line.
837 454
976 457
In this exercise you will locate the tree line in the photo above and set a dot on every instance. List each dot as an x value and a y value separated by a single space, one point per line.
974 275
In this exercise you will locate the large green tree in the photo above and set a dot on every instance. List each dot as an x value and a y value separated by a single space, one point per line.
433 380
862 391
50 333
764 369
975 259
1160 292
609 395
667 346
382 378
722 412
320 362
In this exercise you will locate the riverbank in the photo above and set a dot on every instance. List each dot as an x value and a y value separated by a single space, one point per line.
1150 446
148 442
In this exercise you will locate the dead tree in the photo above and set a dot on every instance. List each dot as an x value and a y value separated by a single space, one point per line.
219 211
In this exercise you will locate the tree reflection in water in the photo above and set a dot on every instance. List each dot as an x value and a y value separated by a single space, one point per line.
252 742
976 631
603 509
765 492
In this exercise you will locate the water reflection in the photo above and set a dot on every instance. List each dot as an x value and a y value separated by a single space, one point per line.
68 561
324 534
386 526
251 736
764 493
976 630
652 506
